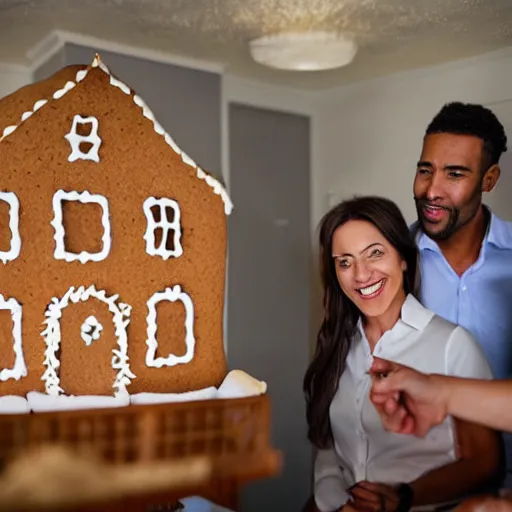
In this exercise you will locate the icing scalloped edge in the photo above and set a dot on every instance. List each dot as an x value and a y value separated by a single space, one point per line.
52 337
214 184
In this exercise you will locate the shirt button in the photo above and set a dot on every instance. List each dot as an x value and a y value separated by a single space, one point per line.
464 288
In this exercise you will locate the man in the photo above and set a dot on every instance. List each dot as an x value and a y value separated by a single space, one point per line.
410 402
466 250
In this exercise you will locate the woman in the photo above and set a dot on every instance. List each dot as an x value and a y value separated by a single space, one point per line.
369 263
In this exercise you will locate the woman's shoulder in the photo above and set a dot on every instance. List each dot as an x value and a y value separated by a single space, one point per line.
461 354
427 320
420 317
449 333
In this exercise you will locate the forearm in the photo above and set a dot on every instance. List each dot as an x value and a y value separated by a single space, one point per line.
330 486
478 401
450 482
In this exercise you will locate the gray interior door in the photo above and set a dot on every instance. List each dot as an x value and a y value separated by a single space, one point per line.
269 283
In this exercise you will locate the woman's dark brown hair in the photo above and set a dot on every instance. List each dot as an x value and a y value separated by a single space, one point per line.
339 324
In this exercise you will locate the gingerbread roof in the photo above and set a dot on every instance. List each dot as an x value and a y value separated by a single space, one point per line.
75 74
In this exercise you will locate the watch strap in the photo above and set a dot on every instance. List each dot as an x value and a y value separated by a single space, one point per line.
406 496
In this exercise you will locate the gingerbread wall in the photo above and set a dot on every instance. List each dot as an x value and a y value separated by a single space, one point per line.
135 163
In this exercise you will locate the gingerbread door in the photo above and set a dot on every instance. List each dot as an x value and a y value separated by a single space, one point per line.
87 344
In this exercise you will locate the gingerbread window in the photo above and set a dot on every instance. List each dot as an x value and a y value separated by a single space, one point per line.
84 139
163 232
61 251
9 237
19 368
172 295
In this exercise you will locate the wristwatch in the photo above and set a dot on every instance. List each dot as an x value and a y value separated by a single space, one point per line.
406 497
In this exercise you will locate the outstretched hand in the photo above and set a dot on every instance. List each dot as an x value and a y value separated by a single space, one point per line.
408 402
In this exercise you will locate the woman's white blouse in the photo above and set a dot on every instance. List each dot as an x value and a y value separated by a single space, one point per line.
363 449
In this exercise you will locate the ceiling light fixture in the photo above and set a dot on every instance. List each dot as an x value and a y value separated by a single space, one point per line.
304 51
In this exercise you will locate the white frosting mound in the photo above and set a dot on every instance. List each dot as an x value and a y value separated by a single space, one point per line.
11 404
239 384
41 402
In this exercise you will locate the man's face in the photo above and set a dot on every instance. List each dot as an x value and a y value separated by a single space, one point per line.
448 183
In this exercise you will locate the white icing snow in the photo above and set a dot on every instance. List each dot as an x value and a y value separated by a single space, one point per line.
164 398
52 337
19 369
172 295
14 213
57 222
165 226
239 384
11 404
40 402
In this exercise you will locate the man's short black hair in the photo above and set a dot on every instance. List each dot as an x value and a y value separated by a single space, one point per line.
469 119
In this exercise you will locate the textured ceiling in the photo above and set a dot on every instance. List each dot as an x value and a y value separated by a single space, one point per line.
393 35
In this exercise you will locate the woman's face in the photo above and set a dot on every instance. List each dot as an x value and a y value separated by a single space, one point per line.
368 267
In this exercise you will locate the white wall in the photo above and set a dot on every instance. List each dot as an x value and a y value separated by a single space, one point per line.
371 133
12 78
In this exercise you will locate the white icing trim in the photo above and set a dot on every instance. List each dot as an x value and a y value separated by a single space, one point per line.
170 294
166 398
13 404
14 213
19 369
165 226
211 181
84 197
90 330
39 402
52 337
75 140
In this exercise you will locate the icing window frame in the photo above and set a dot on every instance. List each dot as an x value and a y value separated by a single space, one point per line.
60 252
75 140
19 369
171 295
165 226
14 218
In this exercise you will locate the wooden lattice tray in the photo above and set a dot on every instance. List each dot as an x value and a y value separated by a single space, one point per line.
233 435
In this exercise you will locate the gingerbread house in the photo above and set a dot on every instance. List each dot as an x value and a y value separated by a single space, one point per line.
112 252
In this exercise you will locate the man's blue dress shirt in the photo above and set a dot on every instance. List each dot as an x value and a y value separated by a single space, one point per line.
480 300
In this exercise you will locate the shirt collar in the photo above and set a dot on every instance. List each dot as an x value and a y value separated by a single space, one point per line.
413 314
499 234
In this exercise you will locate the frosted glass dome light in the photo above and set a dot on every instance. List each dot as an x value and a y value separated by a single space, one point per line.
304 51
